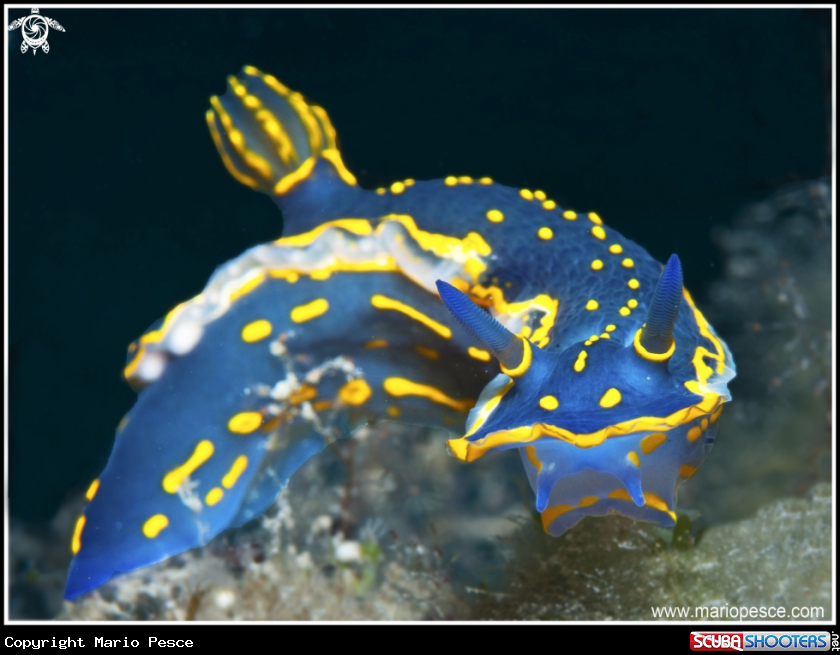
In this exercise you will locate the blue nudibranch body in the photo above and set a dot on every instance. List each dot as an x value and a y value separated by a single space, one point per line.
556 336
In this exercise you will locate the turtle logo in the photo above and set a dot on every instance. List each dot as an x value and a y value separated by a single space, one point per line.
34 30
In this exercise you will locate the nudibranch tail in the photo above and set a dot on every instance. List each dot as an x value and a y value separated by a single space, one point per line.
273 378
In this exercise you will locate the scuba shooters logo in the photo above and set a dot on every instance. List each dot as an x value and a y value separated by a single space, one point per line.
717 641
764 641
34 30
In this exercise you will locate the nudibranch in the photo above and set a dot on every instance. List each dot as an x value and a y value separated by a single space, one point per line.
443 303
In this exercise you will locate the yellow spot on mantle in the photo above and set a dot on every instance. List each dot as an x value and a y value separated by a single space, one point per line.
355 392
402 387
478 353
451 181
245 422
397 187
549 403
595 218
539 195
214 496
610 328
153 526
393 410
76 542
485 180
495 216
592 305
633 283
694 433
598 232
597 265
545 233
429 353
616 249
376 343
687 471
239 465
92 489
633 456
627 263
611 398
651 442
624 311
569 215
632 303
383 302
172 480
526 193
307 312
549 204
256 331
580 363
